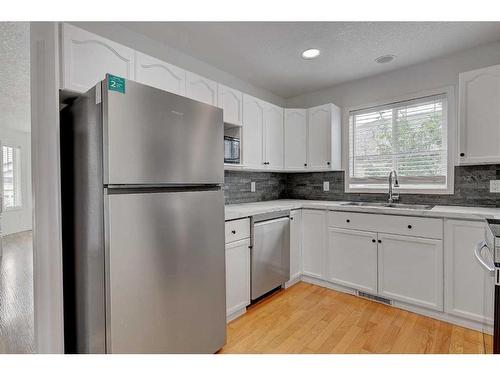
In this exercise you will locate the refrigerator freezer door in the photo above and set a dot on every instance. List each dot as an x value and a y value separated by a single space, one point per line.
165 272
156 137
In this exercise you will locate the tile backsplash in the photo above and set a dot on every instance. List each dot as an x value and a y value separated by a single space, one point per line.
268 186
472 184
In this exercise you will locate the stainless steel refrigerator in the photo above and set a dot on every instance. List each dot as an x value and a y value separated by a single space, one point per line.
143 222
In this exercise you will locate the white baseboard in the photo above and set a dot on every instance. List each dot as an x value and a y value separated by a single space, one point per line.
293 281
439 315
235 314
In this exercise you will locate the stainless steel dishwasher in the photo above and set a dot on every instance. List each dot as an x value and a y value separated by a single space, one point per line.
270 255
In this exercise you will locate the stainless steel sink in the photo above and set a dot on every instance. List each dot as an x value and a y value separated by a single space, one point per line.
410 206
390 205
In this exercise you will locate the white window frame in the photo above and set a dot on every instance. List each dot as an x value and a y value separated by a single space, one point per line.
17 177
449 91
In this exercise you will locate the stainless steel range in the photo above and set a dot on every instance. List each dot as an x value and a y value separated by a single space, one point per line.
487 254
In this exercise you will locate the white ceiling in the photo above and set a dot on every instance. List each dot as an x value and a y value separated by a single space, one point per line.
15 76
267 54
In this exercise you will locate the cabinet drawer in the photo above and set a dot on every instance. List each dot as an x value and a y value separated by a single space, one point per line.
237 230
405 225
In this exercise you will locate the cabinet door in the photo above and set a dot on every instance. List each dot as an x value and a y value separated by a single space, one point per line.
463 276
159 74
295 146
351 259
273 125
201 89
319 137
231 102
86 58
253 132
237 276
480 116
313 242
295 244
410 269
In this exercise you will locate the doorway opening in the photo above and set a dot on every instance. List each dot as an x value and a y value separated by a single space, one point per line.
16 209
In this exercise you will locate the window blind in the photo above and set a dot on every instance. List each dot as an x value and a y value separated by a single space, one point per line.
409 137
11 177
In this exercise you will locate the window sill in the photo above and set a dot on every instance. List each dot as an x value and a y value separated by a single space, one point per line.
403 190
12 209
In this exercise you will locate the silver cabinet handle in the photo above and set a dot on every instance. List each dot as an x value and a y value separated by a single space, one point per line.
479 258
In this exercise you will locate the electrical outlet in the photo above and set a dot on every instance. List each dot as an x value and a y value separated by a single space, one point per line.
494 186
326 185
252 186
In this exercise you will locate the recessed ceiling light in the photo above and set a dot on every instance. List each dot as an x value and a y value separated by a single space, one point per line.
385 59
311 53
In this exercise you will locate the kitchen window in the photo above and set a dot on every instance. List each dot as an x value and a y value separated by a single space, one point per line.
11 160
411 137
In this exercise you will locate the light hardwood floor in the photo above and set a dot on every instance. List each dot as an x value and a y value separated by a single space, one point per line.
310 319
16 294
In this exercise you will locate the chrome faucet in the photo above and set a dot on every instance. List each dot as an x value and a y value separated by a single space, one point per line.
393 196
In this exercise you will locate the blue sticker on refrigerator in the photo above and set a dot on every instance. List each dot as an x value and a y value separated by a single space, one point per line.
116 83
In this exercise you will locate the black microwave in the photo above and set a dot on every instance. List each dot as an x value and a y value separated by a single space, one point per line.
231 150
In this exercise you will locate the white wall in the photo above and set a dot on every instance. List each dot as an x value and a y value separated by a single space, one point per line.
15 114
163 52
18 220
47 239
428 75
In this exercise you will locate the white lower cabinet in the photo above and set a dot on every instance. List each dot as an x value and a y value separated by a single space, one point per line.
313 242
410 269
374 253
351 259
463 276
237 277
295 244
434 273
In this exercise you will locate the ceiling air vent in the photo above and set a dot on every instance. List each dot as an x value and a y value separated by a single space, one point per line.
385 59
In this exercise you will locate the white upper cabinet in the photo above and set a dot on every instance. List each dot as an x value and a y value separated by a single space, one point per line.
295 147
159 74
262 134
273 135
319 137
253 132
200 88
479 136
273 138
324 137
231 102
86 58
